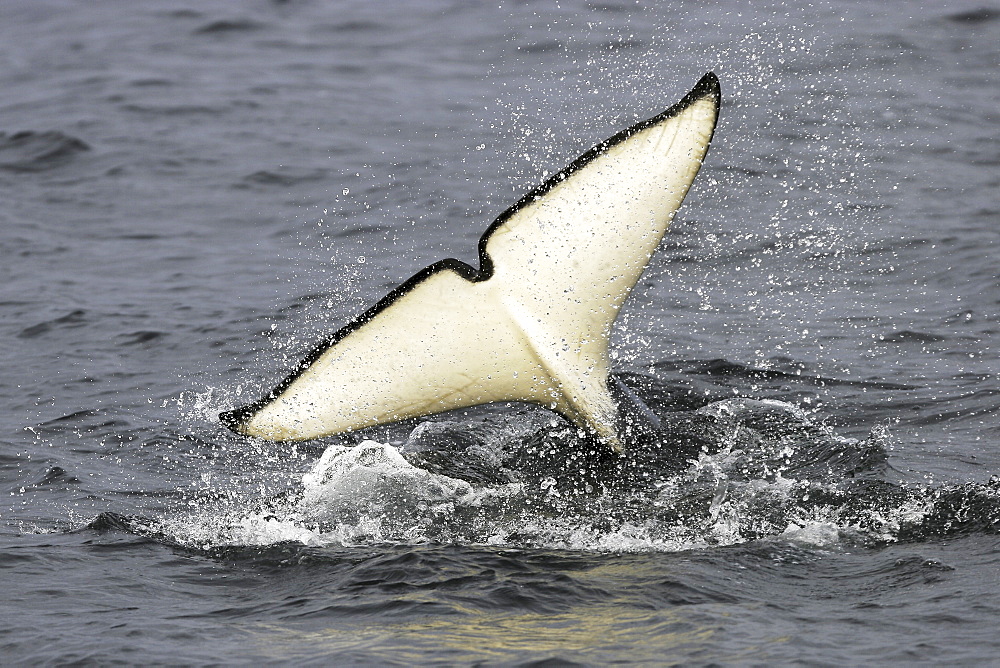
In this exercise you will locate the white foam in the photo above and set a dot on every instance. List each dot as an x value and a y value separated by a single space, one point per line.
818 534
371 476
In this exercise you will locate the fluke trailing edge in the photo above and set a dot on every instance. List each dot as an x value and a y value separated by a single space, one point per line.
533 322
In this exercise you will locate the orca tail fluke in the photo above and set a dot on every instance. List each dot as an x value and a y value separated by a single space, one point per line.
533 322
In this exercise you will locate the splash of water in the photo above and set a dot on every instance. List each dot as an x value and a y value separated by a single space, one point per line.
765 470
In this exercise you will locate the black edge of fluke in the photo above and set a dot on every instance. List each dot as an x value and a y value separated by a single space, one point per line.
708 85
234 419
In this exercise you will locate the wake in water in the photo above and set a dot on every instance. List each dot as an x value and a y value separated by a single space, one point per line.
719 472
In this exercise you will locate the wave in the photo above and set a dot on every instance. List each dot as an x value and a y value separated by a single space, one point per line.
730 472
30 151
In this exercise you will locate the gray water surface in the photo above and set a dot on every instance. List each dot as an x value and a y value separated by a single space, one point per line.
192 194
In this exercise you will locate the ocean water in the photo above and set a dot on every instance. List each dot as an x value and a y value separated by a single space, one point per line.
193 193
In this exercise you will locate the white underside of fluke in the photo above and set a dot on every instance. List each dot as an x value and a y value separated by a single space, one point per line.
536 329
